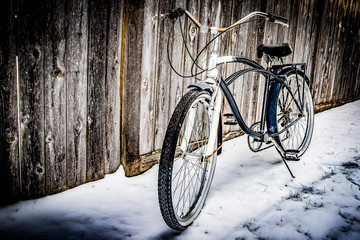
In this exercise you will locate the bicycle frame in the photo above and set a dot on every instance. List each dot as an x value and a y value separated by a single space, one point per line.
216 82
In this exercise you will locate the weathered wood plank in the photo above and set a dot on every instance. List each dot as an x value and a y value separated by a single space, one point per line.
225 19
320 56
254 39
234 50
333 58
148 73
341 84
314 32
284 11
222 16
112 87
354 17
98 27
191 33
177 57
298 51
54 97
330 50
258 85
76 88
31 20
310 37
259 80
247 82
314 77
130 157
204 18
9 137
348 50
240 37
162 96
239 47
282 32
292 18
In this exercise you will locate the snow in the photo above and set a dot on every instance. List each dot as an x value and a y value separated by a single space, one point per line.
252 196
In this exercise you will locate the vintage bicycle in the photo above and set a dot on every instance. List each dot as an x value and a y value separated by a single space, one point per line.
194 135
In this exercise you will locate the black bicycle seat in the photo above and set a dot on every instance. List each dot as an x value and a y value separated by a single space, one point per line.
279 50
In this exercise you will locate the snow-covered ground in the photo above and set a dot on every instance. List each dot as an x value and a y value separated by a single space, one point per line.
252 196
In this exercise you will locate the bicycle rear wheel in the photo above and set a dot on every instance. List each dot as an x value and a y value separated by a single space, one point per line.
294 127
184 176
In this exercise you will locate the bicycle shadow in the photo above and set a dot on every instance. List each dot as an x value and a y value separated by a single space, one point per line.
63 227
167 235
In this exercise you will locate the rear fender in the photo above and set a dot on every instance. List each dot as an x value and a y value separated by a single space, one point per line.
289 70
273 96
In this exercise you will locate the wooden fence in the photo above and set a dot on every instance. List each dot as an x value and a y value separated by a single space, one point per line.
60 97
86 85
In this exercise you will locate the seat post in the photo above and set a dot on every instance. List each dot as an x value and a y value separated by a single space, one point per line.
269 61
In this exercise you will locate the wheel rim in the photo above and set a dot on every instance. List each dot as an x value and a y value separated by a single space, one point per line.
294 127
191 175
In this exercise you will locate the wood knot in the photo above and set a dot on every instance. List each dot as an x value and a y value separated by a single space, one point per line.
78 127
39 170
58 73
49 138
11 139
234 37
10 136
36 53
90 121
145 84
192 33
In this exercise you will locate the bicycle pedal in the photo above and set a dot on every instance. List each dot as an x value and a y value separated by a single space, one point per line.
230 119
291 155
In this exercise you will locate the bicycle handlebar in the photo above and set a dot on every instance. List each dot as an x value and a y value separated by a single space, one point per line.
277 19
174 13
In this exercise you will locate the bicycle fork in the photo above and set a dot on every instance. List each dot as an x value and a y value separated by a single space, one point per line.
214 112
215 108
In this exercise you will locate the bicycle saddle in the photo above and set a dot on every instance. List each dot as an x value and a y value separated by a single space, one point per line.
280 50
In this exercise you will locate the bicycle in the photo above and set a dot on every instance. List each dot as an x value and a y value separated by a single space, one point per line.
194 135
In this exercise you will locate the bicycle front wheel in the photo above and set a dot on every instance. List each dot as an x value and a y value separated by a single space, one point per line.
295 126
184 175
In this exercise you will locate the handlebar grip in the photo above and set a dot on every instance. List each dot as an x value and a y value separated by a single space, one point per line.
273 18
175 13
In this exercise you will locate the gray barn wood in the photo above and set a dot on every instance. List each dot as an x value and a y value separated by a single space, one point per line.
95 89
